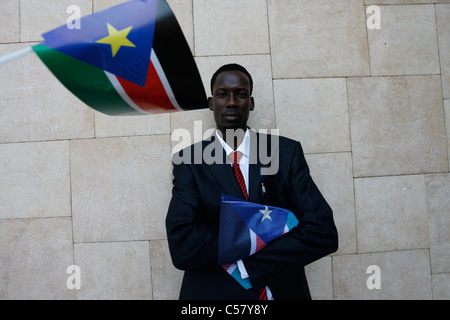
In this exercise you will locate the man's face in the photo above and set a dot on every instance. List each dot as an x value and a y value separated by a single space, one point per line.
231 101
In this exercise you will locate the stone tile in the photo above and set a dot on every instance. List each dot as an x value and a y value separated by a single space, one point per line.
114 270
447 125
35 180
333 175
38 17
318 38
117 126
438 200
123 191
441 286
9 24
404 275
397 125
406 43
263 117
320 279
99 5
315 112
166 280
404 1
219 30
34 257
35 106
388 211
443 28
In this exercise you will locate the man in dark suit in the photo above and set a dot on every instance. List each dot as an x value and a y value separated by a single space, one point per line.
193 217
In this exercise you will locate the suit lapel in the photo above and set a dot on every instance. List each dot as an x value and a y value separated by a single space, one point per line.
255 177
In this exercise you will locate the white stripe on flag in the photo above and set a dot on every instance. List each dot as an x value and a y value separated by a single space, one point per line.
164 81
231 269
116 84
252 241
162 76
242 270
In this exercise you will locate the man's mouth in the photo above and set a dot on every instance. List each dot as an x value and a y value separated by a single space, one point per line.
231 116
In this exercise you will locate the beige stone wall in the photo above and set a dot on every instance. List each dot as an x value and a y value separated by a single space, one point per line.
371 108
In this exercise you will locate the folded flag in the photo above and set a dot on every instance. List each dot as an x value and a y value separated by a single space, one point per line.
127 60
245 228
233 270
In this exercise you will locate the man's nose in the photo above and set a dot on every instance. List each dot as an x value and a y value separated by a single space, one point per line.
231 101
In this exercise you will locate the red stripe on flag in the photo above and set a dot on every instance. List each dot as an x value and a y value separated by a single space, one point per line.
259 243
227 266
152 97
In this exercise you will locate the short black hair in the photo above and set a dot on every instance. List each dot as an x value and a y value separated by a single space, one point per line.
231 67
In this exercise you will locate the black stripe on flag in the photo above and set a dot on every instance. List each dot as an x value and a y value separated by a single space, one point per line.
177 61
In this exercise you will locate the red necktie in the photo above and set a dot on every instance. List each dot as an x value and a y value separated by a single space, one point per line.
238 173
263 294
240 179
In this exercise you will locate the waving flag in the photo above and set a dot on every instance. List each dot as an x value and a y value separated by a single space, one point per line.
126 60
245 228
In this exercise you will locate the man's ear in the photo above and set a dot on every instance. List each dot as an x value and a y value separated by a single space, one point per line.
210 102
252 104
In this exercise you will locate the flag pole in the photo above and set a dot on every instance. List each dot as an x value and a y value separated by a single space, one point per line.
15 55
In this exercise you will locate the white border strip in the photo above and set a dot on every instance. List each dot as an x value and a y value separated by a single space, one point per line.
164 81
162 77
232 268
253 241
116 84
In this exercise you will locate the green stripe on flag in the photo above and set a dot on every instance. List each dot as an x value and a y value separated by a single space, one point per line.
90 84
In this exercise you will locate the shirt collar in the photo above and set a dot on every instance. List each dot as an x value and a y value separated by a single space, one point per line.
244 147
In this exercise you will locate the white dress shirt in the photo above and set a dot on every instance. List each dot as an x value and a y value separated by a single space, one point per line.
244 148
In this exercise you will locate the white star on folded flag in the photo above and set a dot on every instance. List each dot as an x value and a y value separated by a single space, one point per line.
266 214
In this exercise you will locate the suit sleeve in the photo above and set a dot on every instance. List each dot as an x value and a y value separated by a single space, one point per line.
192 242
314 238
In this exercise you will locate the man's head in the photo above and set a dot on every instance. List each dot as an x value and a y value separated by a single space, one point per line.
231 101
231 67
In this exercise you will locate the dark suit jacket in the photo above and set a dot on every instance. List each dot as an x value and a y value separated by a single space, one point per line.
192 222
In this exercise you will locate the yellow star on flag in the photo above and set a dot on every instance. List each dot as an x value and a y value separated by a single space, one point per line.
117 39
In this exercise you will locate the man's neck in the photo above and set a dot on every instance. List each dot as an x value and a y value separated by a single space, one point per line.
233 137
